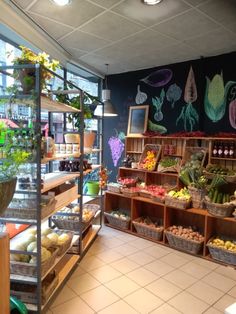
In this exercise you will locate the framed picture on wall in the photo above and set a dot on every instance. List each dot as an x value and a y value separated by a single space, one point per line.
138 118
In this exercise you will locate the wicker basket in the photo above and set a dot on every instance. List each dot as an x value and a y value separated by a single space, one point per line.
148 147
117 222
28 293
144 193
177 203
157 198
221 254
27 269
71 224
219 210
197 197
29 211
129 192
114 187
148 231
181 243
66 245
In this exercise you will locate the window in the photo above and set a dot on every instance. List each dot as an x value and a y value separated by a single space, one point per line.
23 110
86 85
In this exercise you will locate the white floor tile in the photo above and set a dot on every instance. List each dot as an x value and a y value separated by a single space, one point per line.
98 298
142 276
124 265
163 289
186 303
83 283
105 273
218 281
122 286
156 251
143 301
141 243
126 249
232 292
109 256
119 307
91 262
141 258
205 292
159 268
224 302
195 270
66 294
174 260
226 271
72 307
78 272
180 279
211 310
165 309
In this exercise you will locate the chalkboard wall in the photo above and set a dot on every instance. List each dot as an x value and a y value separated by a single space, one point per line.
188 96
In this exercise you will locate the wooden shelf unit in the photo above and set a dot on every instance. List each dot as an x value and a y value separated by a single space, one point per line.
136 207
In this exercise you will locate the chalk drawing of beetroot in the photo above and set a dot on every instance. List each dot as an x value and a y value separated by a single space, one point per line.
158 78
189 114
232 113
173 94
117 147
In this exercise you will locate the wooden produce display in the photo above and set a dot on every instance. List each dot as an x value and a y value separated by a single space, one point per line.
5 274
200 224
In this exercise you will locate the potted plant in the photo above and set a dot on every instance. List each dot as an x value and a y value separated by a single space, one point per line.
74 118
96 180
10 162
27 75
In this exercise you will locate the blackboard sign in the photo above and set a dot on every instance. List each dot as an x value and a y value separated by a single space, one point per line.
138 117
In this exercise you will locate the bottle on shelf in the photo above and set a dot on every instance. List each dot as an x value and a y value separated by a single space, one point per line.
226 150
215 149
50 146
43 144
220 150
232 150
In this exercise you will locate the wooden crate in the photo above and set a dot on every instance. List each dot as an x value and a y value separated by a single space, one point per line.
150 147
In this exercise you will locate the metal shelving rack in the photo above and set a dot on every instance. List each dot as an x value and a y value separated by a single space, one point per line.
66 263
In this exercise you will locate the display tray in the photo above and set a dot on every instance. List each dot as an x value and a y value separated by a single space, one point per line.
28 293
181 243
117 222
26 208
27 269
148 231
219 210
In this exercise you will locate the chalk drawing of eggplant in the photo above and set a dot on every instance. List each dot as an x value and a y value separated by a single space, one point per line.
158 78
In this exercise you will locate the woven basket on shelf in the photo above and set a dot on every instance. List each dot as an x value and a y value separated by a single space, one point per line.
148 231
144 193
113 188
28 293
157 198
197 197
117 222
219 210
65 246
70 224
129 193
221 254
177 203
181 243
27 269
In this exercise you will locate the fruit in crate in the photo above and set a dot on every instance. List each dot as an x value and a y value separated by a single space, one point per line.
125 181
182 194
187 233
149 222
53 237
224 244
149 161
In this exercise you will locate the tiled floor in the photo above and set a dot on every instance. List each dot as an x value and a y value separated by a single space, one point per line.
123 274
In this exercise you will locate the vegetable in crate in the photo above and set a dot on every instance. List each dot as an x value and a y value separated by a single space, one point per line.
224 244
182 194
187 233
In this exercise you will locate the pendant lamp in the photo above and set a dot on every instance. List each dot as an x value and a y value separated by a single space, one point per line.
106 110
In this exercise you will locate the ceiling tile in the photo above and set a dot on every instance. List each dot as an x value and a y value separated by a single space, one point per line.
231 26
77 53
111 26
82 41
54 29
195 2
75 14
23 3
214 41
222 11
186 25
105 3
150 15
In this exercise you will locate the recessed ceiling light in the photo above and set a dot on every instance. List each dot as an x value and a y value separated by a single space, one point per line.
151 2
61 2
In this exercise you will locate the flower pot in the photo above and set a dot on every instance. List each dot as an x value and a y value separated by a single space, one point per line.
93 187
89 138
7 190
27 79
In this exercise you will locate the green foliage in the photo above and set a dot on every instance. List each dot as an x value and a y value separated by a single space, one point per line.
13 158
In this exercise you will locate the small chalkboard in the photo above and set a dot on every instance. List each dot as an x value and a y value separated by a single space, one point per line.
138 117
